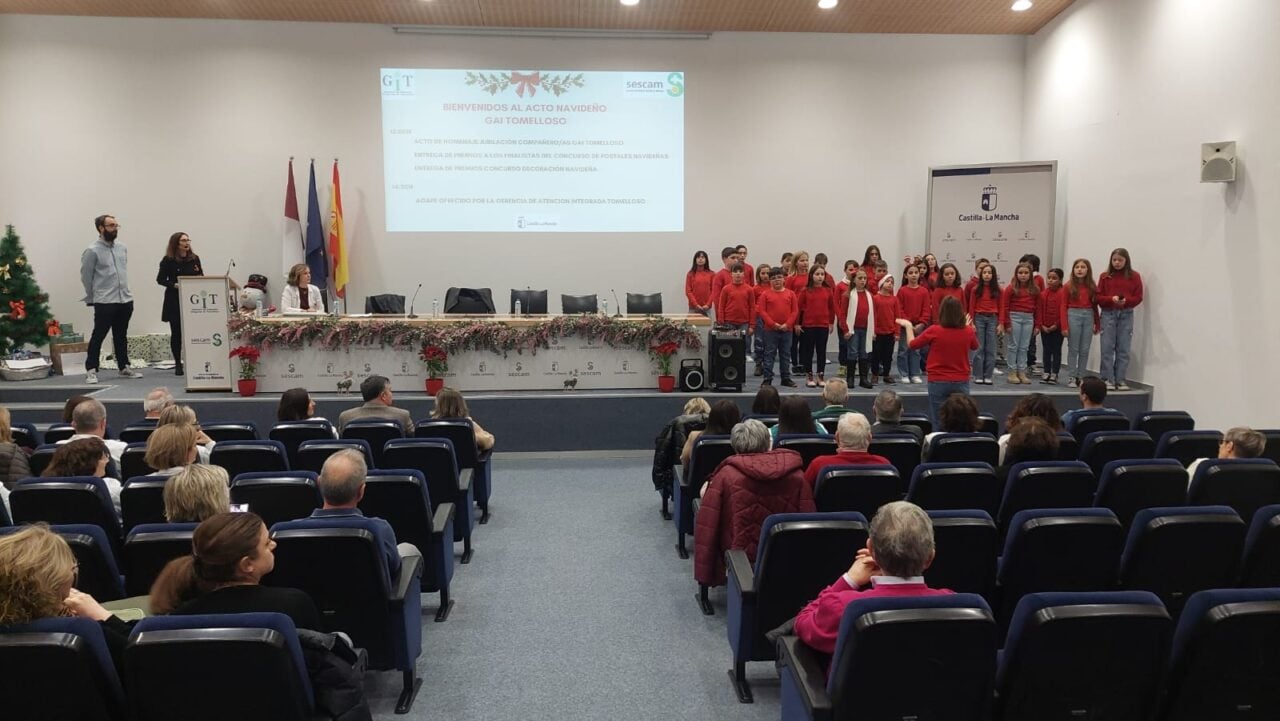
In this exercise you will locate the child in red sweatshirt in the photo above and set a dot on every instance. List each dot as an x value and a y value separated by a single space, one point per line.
1119 292
916 306
737 303
1051 322
1018 312
887 313
818 311
778 310
984 306
761 285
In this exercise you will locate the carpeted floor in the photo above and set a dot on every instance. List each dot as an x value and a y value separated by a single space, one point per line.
576 606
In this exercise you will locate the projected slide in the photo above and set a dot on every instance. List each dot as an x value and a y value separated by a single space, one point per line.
559 151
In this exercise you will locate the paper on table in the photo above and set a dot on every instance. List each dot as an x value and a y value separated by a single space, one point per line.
25 365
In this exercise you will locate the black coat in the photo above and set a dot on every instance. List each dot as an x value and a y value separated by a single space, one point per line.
667 447
170 269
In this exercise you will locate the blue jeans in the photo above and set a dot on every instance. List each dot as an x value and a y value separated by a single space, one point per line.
1023 326
984 365
777 343
1079 340
1117 336
938 392
758 345
908 360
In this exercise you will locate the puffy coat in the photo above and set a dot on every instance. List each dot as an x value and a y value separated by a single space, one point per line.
14 466
667 446
743 491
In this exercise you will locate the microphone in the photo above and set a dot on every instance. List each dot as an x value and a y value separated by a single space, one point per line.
230 265
415 297
617 306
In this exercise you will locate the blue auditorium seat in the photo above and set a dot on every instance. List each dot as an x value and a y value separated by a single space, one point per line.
955 486
435 459
966 544
1175 551
1245 484
859 488
400 497
707 454
59 668
1129 486
1260 567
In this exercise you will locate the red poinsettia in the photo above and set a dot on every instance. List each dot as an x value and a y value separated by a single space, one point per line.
662 353
249 356
436 358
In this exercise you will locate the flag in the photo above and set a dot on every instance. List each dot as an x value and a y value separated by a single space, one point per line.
316 259
294 251
337 238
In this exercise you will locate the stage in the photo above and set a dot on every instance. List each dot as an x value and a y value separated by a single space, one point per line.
523 421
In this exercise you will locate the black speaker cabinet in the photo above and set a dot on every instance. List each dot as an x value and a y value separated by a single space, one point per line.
692 376
728 351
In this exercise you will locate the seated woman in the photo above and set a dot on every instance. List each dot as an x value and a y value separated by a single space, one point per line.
794 416
84 457
186 414
766 402
13 460
171 448
196 493
1032 405
723 417
1237 442
1031 440
670 441
450 404
231 552
296 405
957 414
299 295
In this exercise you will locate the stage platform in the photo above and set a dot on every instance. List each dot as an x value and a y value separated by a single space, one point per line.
525 421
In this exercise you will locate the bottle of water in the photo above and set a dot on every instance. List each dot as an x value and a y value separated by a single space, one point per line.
435 307
518 313
258 311
604 307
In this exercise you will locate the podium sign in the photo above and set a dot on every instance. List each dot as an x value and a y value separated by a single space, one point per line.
205 307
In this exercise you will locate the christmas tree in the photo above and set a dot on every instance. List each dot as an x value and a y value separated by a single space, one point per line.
24 310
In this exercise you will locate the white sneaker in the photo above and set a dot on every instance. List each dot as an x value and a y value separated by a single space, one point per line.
128 372
91 377
1122 386
999 372
1111 385
916 379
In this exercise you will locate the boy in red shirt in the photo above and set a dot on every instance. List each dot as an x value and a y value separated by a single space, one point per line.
778 310
724 277
887 313
737 303
750 277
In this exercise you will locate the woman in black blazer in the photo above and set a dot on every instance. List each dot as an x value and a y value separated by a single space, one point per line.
178 260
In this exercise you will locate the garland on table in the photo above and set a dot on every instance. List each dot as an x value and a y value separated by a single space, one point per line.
338 333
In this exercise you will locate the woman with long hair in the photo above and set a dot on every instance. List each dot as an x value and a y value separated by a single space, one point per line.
296 404
723 417
299 296
795 417
766 402
13 460
178 260
451 404
697 284
951 340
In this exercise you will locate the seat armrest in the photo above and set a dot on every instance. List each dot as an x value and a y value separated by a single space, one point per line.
410 567
739 568
482 457
464 479
805 668
444 513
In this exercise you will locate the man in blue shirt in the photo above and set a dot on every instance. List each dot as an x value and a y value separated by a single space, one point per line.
1093 393
104 272
342 487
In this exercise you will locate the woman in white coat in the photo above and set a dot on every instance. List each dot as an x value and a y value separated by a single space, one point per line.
299 295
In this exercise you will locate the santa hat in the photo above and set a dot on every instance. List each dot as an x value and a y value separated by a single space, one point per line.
888 278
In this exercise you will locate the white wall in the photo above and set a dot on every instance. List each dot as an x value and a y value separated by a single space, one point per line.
1122 94
819 142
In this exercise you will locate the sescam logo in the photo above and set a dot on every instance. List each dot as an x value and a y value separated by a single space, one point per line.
675 84
398 82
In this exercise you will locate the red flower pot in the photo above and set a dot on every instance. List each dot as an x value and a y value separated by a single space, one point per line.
247 387
434 385
666 384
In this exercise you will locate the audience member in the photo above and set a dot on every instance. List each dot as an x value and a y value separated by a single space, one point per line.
697 406
296 404
853 437
1093 392
171 448
957 414
898 551
1031 439
794 417
89 420
342 481
86 456
186 415
888 411
766 402
196 493
157 399
69 408
671 439
745 490
1032 405
13 460
835 394
451 404
1238 442
376 391
720 422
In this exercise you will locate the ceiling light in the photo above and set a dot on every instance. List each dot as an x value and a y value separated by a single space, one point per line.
630 2
1020 5
827 4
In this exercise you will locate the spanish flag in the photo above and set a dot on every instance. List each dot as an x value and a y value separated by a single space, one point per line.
337 238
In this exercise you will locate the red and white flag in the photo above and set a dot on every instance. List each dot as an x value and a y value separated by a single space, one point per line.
293 248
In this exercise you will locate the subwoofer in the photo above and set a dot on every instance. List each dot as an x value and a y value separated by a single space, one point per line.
728 351
692 376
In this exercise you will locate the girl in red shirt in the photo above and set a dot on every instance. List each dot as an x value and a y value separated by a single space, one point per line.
949 286
933 273
817 312
1080 310
984 306
762 284
854 314
1018 309
1050 323
887 313
951 341
797 281
697 284
916 307
1119 292
869 261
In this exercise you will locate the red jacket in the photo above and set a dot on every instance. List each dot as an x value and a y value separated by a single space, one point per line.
841 458
1113 284
916 304
818 624
817 307
887 314
940 293
860 313
742 492
948 352
1012 301
982 302
1050 307
778 307
737 304
697 287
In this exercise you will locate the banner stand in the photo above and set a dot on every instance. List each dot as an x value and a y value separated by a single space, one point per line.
205 307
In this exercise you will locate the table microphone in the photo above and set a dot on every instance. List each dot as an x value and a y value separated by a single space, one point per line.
617 306
415 297
230 265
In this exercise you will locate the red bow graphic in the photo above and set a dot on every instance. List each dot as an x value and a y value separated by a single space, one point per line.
526 82
19 309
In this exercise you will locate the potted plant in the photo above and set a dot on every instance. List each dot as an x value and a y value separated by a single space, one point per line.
437 361
663 353
248 355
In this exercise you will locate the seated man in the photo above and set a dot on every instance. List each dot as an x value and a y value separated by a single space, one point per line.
853 437
156 401
376 391
1093 391
745 489
898 551
342 486
1238 442
835 393
89 419
888 412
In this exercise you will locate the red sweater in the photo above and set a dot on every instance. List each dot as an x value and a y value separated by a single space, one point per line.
887 314
948 352
796 283
860 312
818 624
778 307
1113 284
873 278
817 307
750 273
916 304
940 293
723 278
841 458
1050 308
1081 300
1012 301
737 304
697 287
982 302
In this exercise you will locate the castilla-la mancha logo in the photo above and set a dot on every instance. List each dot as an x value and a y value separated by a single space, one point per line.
989 198
525 83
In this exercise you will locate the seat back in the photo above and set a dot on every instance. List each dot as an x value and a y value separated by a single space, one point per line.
1087 655
1260 567
1082 424
469 301
808 446
532 302
25 435
965 548
249 457
384 304
97 573
59 668
433 457
1068 447
293 433
828 423
233 666
400 498
1045 484
1175 551
278 496
458 431
138 432
571 304
71 500
148 549
964 448
919 420
708 453
376 433
1129 486
1186 446
857 488
1157 423
58 432
311 455
1272 449
644 304
235 431
955 486
40 458
1224 657
768 421
142 501
1245 484
930 657
988 423
903 451
133 461
1101 447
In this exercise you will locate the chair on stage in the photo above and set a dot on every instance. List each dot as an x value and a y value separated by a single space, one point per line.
532 302
572 304
469 301
384 304
644 304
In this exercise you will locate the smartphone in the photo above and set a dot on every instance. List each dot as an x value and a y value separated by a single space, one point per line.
239 507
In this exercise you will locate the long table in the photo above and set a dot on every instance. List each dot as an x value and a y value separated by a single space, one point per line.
569 361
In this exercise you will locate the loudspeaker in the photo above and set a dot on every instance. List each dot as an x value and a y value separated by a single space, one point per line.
1218 162
728 349
692 377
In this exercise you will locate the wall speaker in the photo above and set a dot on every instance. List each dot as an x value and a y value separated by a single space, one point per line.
728 349
692 377
1218 162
